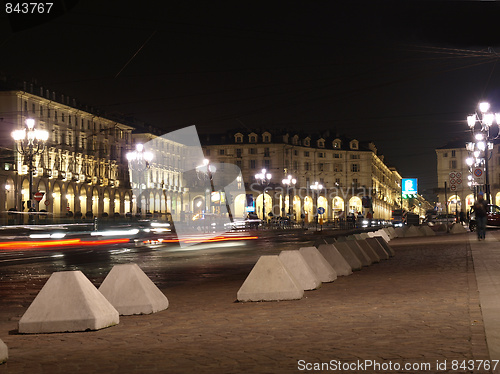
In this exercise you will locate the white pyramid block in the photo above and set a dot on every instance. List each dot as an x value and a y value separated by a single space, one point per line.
270 280
368 250
324 271
131 291
457 228
377 247
392 232
412 232
389 233
300 269
386 246
400 232
371 234
427 231
357 236
68 302
335 259
341 239
363 257
4 352
346 252
364 235
384 235
350 237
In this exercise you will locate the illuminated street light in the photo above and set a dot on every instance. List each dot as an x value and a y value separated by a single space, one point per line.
317 187
205 172
483 145
30 142
139 161
289 182
263 178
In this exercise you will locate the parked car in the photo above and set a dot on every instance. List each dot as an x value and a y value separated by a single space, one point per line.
493 218
441 218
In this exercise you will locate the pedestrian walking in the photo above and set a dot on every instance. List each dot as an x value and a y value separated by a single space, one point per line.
462 217
481 209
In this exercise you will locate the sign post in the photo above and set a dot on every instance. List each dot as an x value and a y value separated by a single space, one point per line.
409 188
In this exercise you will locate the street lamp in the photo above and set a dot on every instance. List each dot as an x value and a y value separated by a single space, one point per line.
31 142
289 182
317 187
480 125
139 161
204 172
263 178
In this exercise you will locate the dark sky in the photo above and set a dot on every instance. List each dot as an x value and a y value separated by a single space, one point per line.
404 74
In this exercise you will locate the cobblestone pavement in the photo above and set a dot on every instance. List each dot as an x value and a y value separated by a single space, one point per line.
419 307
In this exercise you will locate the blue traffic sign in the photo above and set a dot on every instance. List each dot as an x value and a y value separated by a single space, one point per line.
321 210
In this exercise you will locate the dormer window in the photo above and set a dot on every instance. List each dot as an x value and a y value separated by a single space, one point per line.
337 144
321 143
295 140
307 142
253 138
238 138
354 144
266 137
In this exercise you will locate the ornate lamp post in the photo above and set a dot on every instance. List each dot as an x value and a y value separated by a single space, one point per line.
289 182
139 161
205 172
30 142
480 125
317 187
263 178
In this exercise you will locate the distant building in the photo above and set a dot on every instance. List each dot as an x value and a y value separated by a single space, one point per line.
348 170
451 161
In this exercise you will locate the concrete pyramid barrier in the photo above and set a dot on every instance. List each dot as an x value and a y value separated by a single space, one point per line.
392 231
386 246
389 233
131 291
374 257
335 259
68 302
457 228
377 247
350 237
349 255
357 236
300 269
341 239
4 352
363 257
399 232
427 231
383 234
270 280
370 234
364 235
324 271
412 232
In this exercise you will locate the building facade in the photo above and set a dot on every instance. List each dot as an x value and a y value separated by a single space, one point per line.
348 172
450 164
82 169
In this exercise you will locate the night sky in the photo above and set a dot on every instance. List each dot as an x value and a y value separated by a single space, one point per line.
403 74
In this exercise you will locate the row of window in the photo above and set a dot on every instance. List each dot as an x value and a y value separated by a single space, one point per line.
320 143
267 153
48 113
307 166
